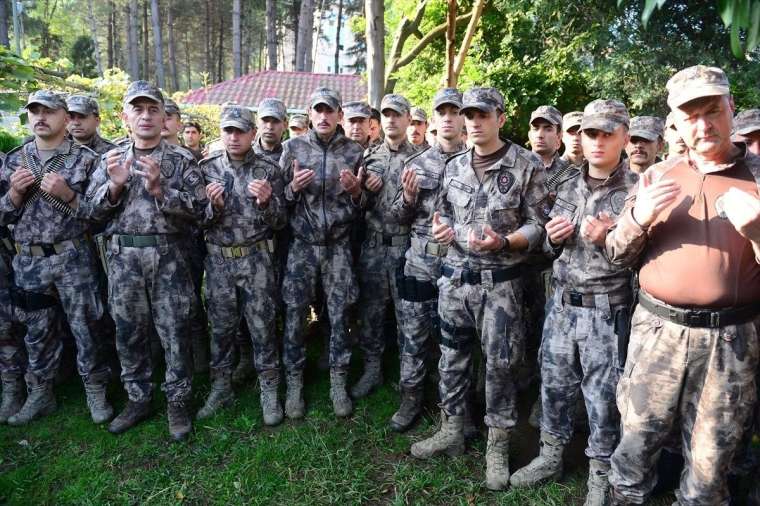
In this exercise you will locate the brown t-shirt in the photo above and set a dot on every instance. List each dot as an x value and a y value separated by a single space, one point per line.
481 163
693 257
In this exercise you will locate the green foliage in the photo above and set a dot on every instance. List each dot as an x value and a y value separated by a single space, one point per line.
82 56
8 141
15 77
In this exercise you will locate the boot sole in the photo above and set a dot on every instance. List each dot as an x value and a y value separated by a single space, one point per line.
398 427
122 430
450 452
553 477
45 412
226 404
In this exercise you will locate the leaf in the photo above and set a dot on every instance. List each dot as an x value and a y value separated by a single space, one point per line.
736 45
753 33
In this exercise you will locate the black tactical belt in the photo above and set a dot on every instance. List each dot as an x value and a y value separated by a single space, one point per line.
701 318
415 290
240 251
48 249
587 299
31 301
470 277
466 335
143 241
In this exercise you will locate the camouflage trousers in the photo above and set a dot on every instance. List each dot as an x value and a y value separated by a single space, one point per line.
537 281
237 289
493 315
71 276
147 286
195 249
579 353
703 377
12 353
377 270
307 266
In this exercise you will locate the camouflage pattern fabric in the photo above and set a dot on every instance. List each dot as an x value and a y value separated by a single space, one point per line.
99 145
12 350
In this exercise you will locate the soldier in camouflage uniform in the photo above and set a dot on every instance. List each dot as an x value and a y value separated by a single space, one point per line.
676 145
585 334
83 125
646 142
571 138
418 128
385 242
43 183
375 128
493 206
245 193
148 192
414 206
324 197
693 353
747 128
356 119
298 125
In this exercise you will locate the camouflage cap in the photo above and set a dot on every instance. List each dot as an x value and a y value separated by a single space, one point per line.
549 113
298 121
650 128
356 110
238 117
747 122
483 99
696 82
144 89
572 120
419 114
48 98
272 108
395 102
604 115
447 96
171 107
330 98
83 104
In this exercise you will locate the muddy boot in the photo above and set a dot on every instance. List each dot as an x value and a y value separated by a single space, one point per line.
470 428
219 397
40 402
14 392
134 413
294 405
449 439
598 484
244 368
497 459
180 423
371 379
342 405
270 405
535 414
100 410
547 466
409 410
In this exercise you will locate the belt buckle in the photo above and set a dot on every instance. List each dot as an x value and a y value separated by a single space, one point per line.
48 249
698 318
237 251
576 299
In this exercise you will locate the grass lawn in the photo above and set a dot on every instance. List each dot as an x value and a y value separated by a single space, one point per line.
234 459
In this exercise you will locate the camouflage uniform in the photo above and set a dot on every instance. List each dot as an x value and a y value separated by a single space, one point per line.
240 274
699 376
148 284
472 304
320 219
85 105
56 260
386 240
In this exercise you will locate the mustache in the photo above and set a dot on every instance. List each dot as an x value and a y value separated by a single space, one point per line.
41 123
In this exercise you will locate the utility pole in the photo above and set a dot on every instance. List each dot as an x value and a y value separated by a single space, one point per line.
16 26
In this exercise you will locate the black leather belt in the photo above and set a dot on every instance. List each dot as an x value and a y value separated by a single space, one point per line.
588 299
702 318
471 277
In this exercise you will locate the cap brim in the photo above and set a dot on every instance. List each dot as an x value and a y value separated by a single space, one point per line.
568 126
328 103
645 134
602 123
693 93
748 129
552 121
351 115
479 106
245 127
271 114
456 104
49 105
396 108
296 125
132 98
85 111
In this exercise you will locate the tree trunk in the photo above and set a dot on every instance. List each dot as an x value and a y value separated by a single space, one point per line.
158 43
134 62
208 39
94 35
146 43
109 49
187 62
477 11
305 31
272 33
315 43
4 40
337 37
220 72
237 63
451 30
375 33
172 47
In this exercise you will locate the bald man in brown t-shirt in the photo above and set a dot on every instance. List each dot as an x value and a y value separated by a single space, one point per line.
693 226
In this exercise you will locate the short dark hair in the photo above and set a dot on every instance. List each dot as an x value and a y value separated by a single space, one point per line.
375 114
192 124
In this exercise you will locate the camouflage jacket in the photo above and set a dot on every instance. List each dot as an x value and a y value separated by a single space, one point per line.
386 163
39 220
556 173
323 211
242 222
583 266
273 155
511 198
100 145
137 212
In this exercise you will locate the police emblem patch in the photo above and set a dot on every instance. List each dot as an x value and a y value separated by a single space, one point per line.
192 178
505 180
167 168
617 201
260 173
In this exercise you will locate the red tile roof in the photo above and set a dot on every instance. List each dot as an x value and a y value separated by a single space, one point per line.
293 88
